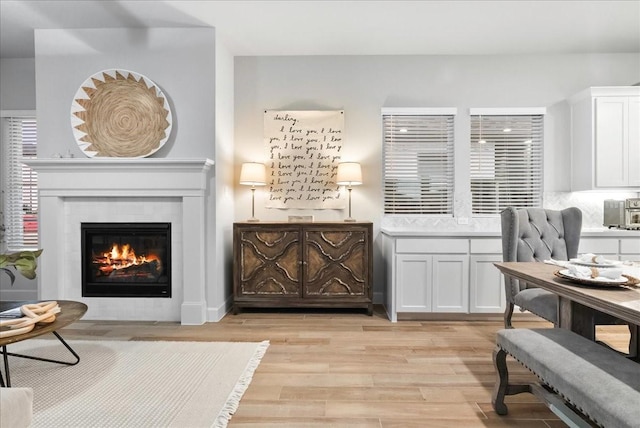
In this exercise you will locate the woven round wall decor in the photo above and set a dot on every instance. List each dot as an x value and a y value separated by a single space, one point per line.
119 113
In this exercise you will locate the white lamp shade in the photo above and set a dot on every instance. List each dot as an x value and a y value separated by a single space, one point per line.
253 174
349 174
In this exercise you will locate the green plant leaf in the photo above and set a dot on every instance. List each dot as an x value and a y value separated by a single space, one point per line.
27 267
23 261
12 277
37 253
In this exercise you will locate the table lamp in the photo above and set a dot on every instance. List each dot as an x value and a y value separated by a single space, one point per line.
253 174
349 174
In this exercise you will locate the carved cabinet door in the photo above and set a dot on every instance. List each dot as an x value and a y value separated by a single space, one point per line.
269 262
336 262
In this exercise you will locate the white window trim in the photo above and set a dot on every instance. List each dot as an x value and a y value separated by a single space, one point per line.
433 111
508 111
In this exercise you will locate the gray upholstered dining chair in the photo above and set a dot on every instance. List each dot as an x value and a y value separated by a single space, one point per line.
537 234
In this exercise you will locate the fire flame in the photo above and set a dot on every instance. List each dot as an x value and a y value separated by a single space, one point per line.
122 257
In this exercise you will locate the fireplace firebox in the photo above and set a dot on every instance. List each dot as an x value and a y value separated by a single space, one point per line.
126 259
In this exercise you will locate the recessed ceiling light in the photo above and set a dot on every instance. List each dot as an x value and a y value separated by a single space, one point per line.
403 130
506 130
482 141
527 141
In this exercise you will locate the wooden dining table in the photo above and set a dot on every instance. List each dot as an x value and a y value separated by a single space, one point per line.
579 305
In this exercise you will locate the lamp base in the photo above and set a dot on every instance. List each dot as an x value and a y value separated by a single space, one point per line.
253 220
350 220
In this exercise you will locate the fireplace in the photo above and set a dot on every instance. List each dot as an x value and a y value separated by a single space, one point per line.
90 190
126 259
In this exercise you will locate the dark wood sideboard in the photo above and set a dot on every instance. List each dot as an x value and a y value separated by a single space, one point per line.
302 265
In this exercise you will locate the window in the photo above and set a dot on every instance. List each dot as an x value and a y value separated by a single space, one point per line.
20 204
506 159
418 161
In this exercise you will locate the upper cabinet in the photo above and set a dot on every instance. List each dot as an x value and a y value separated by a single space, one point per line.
605 138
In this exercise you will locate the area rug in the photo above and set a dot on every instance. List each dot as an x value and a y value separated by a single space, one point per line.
136 383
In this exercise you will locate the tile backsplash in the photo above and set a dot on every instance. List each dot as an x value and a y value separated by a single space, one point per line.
591 204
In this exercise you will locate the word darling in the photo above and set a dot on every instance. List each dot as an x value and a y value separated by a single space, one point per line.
303 151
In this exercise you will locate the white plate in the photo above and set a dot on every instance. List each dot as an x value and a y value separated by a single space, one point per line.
566 273
609 263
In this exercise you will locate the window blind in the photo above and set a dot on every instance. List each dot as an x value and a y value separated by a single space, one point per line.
506 162
21 197
418 163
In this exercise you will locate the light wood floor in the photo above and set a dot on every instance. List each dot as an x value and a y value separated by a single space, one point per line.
346 369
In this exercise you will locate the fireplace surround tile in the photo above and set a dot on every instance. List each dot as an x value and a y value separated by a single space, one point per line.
125 210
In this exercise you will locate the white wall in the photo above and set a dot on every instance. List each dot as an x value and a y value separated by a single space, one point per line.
361 85
17 84
180 61
197 75
193 70
219 283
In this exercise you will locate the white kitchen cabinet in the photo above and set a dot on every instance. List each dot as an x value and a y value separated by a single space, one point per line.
429 275
450 283
614 248
605 138
630 249
607 247
413 281
437 275
486 285
432 283
634 141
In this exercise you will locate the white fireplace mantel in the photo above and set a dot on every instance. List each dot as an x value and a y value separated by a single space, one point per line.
110 177
61 181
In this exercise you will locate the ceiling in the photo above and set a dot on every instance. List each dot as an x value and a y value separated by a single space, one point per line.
306 27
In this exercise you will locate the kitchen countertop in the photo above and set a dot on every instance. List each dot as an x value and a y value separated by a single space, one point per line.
437 233
603 231
589 232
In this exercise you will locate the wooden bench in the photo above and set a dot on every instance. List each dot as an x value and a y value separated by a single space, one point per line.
579 378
